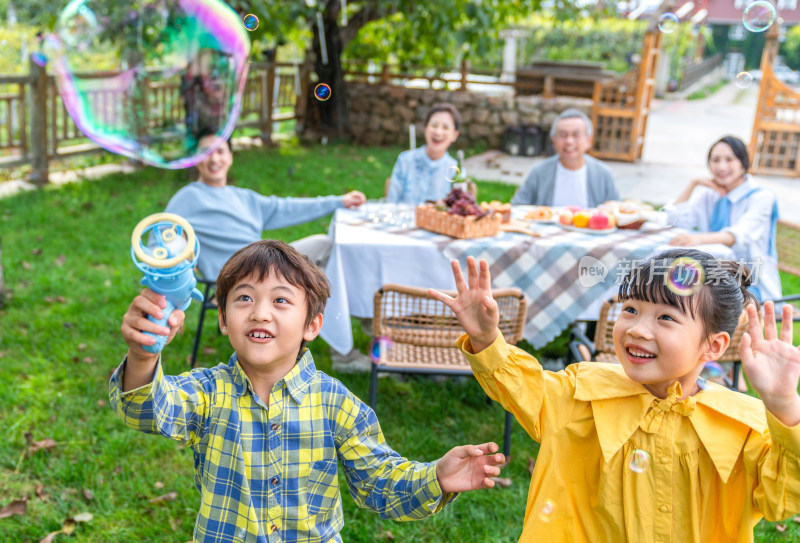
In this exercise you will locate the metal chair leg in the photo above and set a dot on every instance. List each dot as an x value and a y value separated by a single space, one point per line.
373 387
196 345
507 434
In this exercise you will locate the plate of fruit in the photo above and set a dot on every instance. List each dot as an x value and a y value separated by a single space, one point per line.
587 221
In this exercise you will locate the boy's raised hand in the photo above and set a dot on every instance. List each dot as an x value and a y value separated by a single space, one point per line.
469 467
771 363
135 322
474 306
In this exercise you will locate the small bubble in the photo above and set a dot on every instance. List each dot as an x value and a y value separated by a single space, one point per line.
668 23
685 276
322 92
712 371
39 58
743 80
546 512
379 347
250 22
702 384
640 461
758 16
452 173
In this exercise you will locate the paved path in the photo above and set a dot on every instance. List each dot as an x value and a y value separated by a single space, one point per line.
679 134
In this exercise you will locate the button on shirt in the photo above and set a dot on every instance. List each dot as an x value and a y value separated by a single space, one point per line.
268 473
751 225
416 178
726 462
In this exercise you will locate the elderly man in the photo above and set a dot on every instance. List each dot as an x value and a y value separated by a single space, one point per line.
571 177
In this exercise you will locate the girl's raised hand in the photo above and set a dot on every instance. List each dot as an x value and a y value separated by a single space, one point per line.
474 306
771 363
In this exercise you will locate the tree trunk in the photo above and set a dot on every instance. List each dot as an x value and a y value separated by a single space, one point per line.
333 113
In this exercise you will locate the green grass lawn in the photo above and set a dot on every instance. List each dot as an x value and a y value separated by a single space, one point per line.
67 265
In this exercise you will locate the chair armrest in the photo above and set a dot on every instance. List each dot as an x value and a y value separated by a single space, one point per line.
789 298
580 346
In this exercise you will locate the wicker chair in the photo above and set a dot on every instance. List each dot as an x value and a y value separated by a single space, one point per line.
602 348
421 333
788 244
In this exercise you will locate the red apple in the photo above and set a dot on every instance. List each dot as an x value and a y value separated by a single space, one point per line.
599 221
565 216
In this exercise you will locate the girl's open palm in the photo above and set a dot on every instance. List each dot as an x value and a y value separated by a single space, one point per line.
474 306
771 363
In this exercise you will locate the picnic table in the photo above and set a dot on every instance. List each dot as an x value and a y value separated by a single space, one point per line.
565 274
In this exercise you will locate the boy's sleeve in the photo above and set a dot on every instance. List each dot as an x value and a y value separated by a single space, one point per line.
539 399
777 490
176 407
377 476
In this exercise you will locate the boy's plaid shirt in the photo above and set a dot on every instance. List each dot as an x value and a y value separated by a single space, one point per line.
268 474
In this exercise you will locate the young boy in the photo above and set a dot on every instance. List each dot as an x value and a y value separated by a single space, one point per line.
267 428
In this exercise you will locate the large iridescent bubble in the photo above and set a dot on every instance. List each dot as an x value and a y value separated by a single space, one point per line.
147 78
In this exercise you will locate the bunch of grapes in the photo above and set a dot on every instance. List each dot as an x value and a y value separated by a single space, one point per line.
462 203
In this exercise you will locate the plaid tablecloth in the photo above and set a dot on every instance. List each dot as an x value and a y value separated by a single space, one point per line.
562 272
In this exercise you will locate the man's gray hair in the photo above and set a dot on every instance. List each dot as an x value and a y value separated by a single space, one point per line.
572 113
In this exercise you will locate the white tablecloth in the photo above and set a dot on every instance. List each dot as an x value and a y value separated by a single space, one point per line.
367 255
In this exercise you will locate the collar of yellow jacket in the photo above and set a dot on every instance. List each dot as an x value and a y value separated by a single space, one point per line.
722 418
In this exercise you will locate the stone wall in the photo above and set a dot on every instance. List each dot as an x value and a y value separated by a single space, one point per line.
380 113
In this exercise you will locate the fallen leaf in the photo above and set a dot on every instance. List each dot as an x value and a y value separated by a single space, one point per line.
88 359
36 251
26 265
101 403
67 324
531 465
49 299
506 463
40 493
60 259
159 485
387 534
503 482
47 443
780 527
68 527
82 346
209 350
49 537
17 507
796 519
83 517
168 497
89 495
61 299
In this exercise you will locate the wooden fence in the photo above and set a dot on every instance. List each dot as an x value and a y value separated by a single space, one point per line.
35 127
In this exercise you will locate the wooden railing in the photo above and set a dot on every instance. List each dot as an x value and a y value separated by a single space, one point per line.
694 71
775 140
35 126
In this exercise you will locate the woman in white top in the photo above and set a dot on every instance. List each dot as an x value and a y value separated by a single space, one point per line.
730 209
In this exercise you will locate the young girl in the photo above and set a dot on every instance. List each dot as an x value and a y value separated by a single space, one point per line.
644 450
730 209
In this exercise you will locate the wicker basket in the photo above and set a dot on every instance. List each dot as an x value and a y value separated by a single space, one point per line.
456 226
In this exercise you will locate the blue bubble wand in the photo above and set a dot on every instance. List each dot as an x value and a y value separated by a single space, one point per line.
167 260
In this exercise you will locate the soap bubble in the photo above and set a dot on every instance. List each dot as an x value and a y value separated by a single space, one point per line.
640 461
452 173
146 79
546 512
379 347
743 79
668 23
758 16
712 371
39 58
250 22
685 276
322 92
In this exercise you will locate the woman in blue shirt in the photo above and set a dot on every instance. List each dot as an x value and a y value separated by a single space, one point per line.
425 173
730 209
